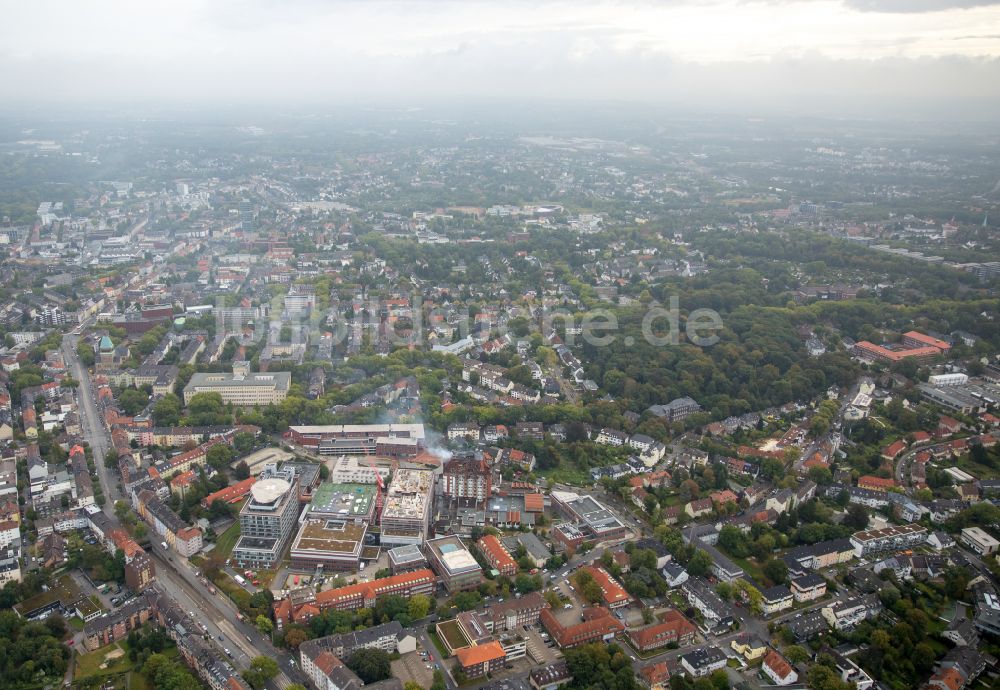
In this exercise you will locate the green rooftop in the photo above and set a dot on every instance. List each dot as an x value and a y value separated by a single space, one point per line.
63 590
347 500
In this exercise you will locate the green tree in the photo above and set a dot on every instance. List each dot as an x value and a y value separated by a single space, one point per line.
264 624
700 564
132 401
219 456
243 442
262 669
371 665
856 517
776 571
418 606
167 410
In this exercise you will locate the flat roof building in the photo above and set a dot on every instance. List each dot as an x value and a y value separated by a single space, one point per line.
592 518
897 537
267 518
343 501
395 440
329 543
454 564
352 469
979 540
243 389
403 559
406 508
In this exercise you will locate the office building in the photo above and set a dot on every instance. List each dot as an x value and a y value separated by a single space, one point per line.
267 518
242 388
404 559
392 440
457 568
979 541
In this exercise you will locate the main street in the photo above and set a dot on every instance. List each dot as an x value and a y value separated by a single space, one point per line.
217 612
91 422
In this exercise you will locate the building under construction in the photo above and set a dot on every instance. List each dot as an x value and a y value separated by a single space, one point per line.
406 508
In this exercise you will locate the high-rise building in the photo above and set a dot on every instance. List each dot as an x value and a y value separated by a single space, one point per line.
466 478
247 215
267 518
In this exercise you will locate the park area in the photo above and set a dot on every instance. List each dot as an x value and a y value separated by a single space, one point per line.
111 667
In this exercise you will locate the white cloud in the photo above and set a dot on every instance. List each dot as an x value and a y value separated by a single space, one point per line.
313 51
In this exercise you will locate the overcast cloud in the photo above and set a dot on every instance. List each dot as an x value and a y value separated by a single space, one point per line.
854 57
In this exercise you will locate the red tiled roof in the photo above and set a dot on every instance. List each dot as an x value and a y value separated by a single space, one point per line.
894 449
612 592
496 554
480 654
927 340
674 627
369 590
230 493
534 503
655 674
188 533
597 623
870 481
778 664
950 678
724 496
950 422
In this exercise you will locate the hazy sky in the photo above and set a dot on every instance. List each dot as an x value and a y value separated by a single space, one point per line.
855 57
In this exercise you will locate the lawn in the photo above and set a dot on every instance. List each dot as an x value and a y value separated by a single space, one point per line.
966 464
228 586
227 541
573 476
752 569
437 643
137 681
75 622
88 665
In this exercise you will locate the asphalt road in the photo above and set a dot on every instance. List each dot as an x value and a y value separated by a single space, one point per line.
216 612
91 423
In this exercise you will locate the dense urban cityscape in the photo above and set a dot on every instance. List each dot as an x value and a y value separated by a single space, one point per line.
409 345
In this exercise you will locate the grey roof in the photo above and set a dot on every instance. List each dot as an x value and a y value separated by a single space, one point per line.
807 625
703 656
776 593
808 580
347 643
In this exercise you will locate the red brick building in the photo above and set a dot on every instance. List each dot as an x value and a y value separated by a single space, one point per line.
598 624
674 628
497 556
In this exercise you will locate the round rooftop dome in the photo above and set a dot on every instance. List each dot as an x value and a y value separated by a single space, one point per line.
269 490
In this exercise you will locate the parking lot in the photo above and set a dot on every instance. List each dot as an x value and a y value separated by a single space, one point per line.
537 648
413 667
